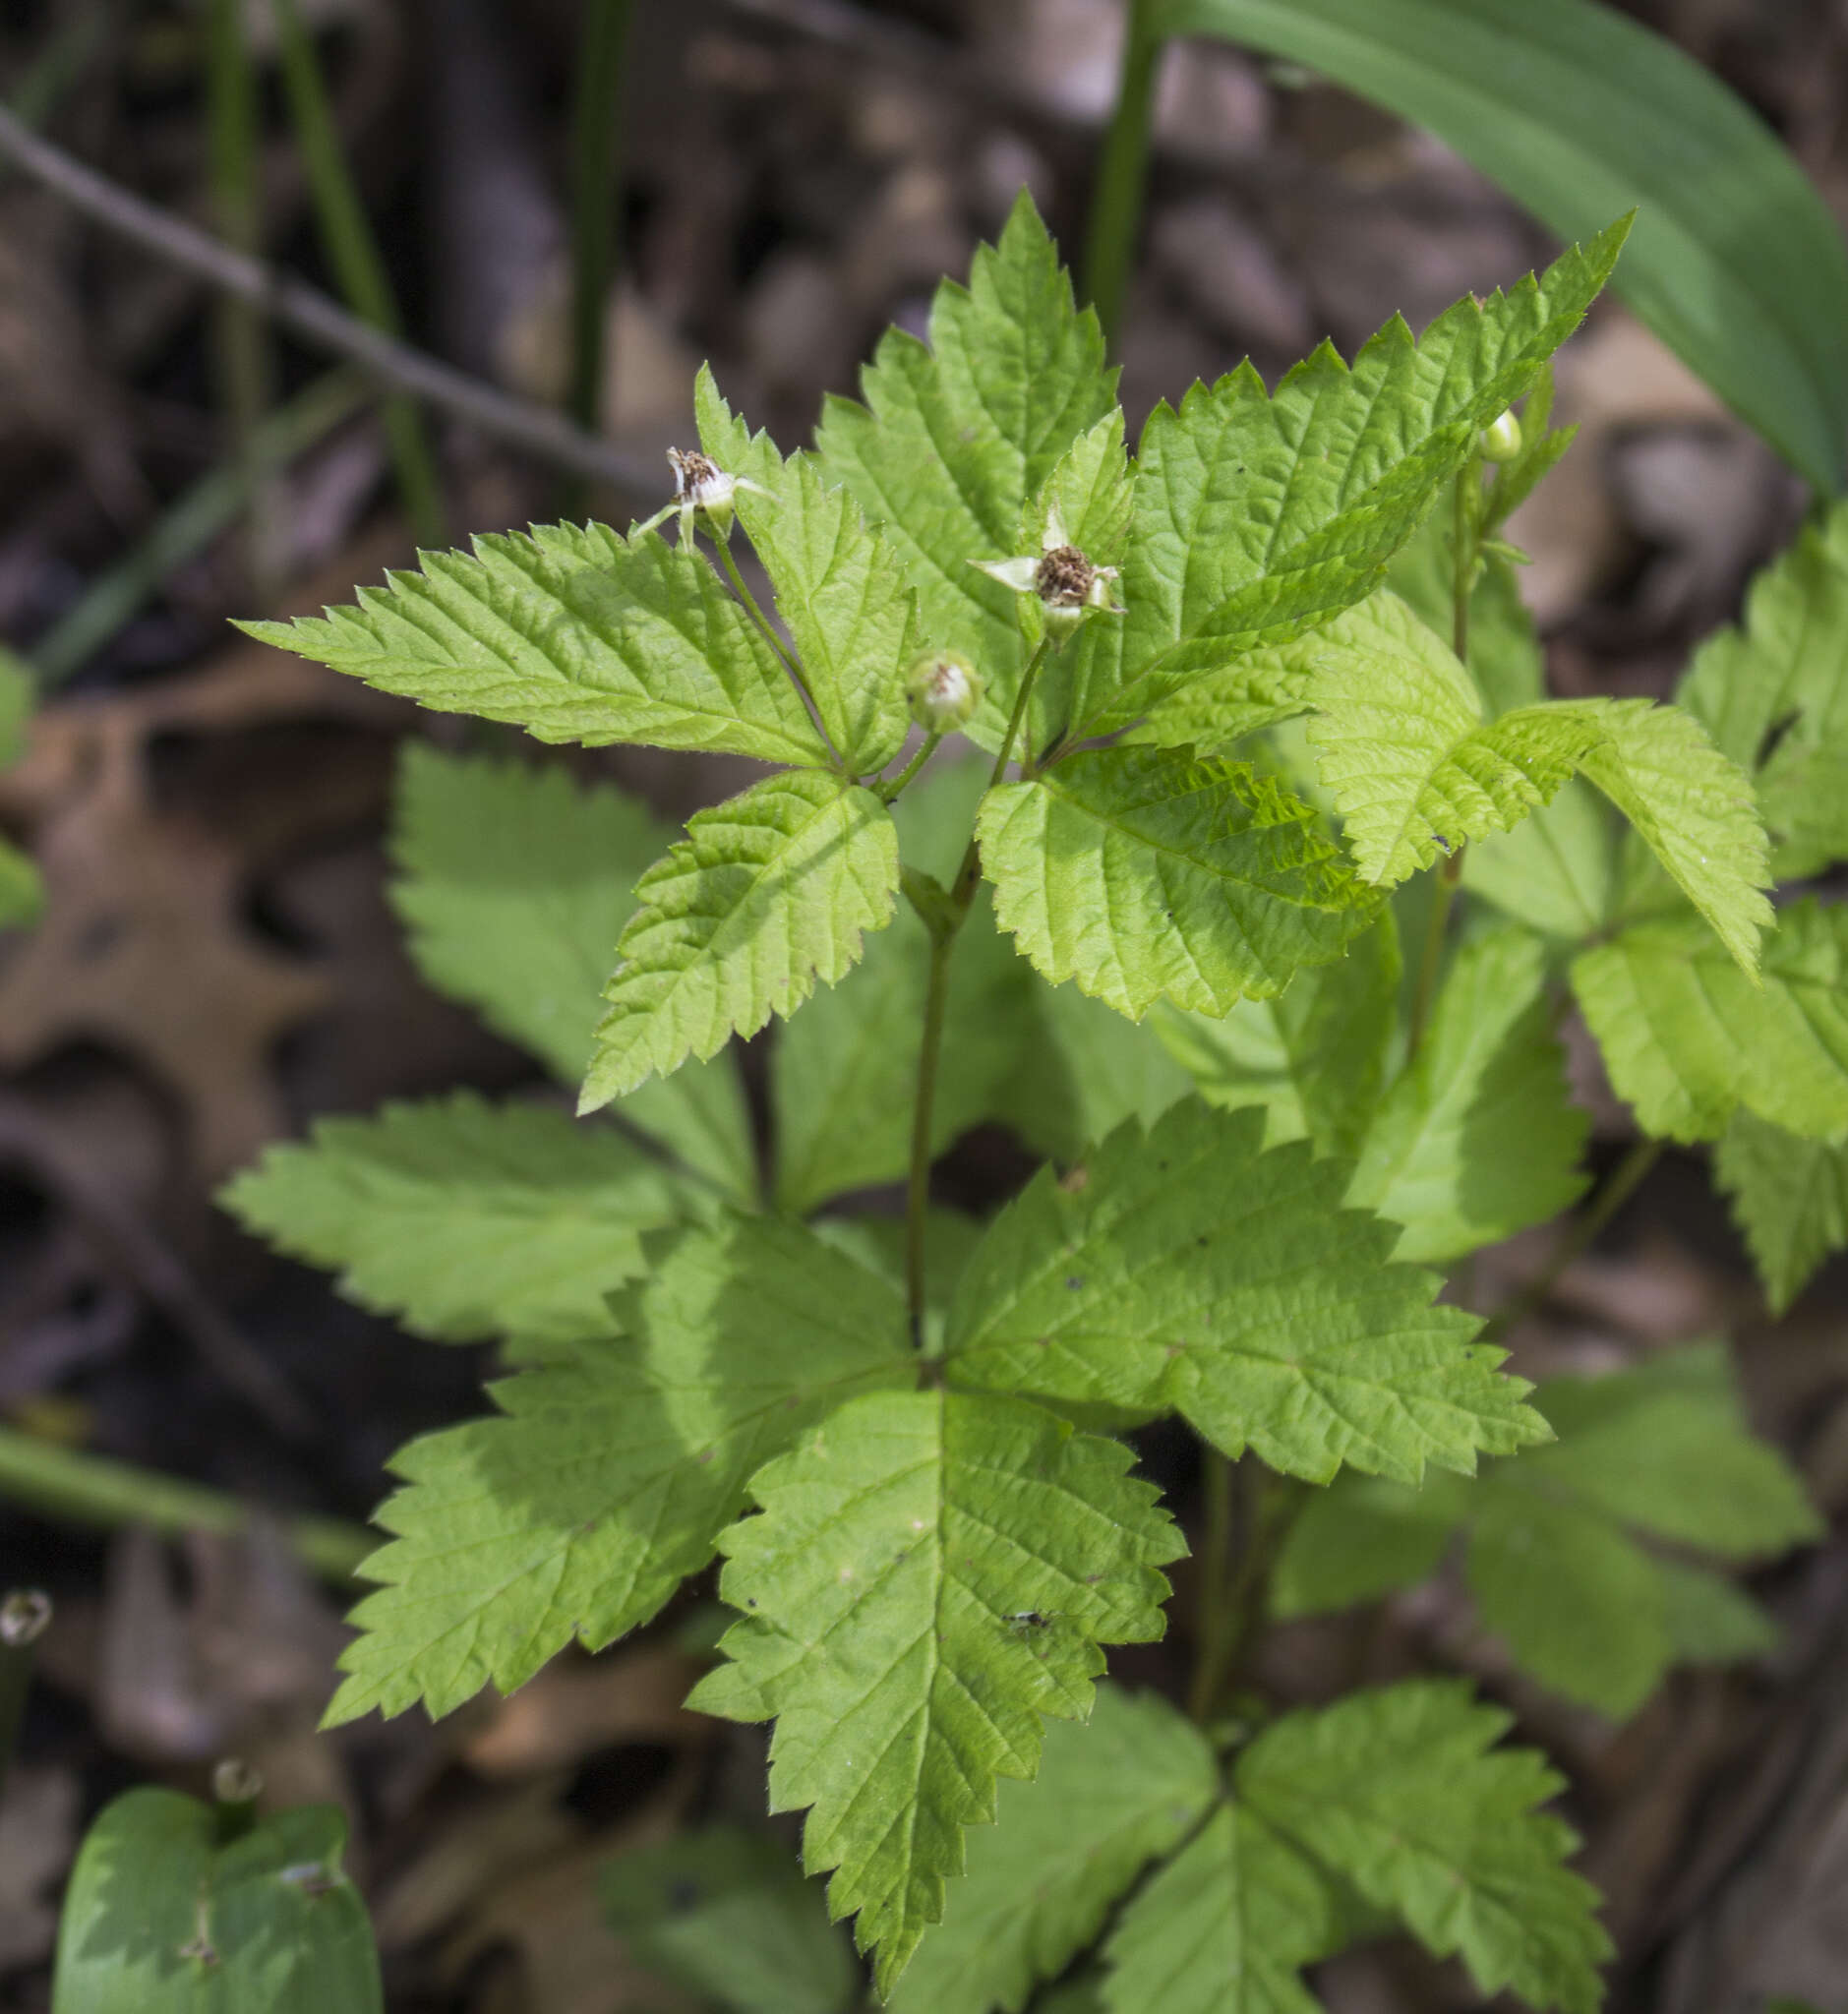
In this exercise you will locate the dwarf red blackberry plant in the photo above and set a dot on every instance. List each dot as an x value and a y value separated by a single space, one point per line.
1205 731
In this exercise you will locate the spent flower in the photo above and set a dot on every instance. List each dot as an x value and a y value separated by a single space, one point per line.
1068 585
703 493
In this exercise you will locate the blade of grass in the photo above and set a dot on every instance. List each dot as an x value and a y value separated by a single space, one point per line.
596 169
1123 170
191 522
353 253
95 1490
245 374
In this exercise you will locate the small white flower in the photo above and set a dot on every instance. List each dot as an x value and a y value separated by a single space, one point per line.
945 692
703 492
1062 577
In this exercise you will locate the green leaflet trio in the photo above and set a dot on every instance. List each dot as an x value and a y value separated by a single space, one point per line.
1232 740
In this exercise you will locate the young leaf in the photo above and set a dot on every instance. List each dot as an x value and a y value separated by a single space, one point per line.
1553 1559
1256 516
839 587
1188 1269
609 1475
1437 1155
514 887
162 1917
1505 662
727 1915
575 634
466 1219
1145 876
1789 1197
1688 1040
955 441
1314 1058
1227 1926
766 894
1773 694
1555 872
1109 1797
930 1578
1403 1794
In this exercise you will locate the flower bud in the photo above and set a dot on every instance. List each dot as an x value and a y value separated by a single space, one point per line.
1500 439
945 692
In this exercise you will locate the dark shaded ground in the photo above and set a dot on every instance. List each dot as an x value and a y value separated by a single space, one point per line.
220 965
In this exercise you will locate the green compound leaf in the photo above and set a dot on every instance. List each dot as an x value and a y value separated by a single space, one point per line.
1188 1269
1688 1038
1083 1070
1580 112
575 635
1109 1797
1402 1795
726 1914
162 1918
767 893
1555 871
466 1219
515 885
955 441
611 1473
1789 1197
1256 516
932 1577
1505 661
1146 875
1227 1926
840 588
1314 1058
1553 1558
1416 770
1773 694
1477 1139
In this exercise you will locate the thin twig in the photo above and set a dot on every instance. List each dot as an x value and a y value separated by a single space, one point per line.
535 430
159 1274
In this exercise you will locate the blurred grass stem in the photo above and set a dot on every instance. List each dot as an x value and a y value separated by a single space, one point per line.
1116 203
596 207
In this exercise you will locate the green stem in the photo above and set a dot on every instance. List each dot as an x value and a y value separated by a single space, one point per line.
242 339
92 1489
1216 1566
190 523
25 1615
1436 930
1123 171
889 790
945 924
1622 1183
1259 1508
353 253
1462 554
595 165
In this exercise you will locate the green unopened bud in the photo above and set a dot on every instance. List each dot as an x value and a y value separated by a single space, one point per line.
1501 438
945 692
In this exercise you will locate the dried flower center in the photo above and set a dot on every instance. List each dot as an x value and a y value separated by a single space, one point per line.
1065 577
692 471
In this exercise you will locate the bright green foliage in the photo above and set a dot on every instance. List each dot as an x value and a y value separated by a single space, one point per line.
766 894
1391 1807
613 1469
1578 113
1082 1069
1146 875
1188 1269
727 1915
839 587
1688 1038
514 887
161 1918
930 1578
1505 663
1402 1795
21 892
955 441
1773 694
1314 1058
576 635
1258 515
467 1220
1477 1139
1554 1559
1790 1198
1109 1797
1555 872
